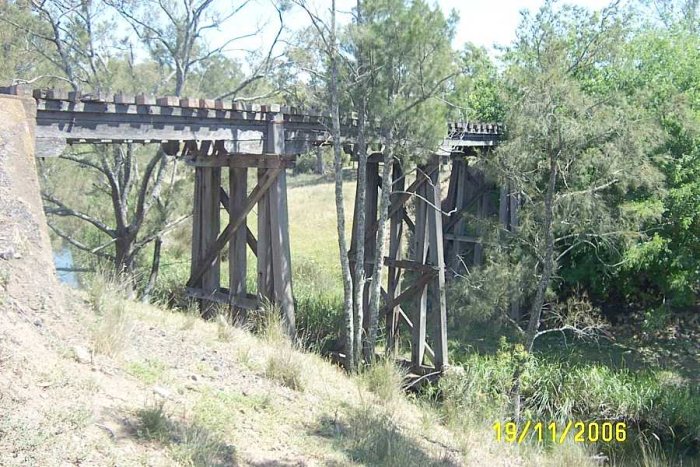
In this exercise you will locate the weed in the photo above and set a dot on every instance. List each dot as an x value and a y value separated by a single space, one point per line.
190 316
153 423
149 371
267 323
372 437
224 329
112 331
107 296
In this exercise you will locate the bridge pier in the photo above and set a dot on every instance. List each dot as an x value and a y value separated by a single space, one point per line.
272 246
415 293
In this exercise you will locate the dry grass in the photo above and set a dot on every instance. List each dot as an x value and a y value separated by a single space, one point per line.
224 329
111 333
189 443
385 380
286 369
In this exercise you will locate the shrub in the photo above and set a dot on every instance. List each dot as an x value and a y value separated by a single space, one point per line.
652 406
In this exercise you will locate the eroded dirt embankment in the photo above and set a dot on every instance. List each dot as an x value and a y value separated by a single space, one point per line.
27 276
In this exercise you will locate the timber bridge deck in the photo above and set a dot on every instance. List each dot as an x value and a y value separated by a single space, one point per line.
222 134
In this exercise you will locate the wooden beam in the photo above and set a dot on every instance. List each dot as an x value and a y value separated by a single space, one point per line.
205 227
250 238
394 273
417 287
259 190
409 223
437 258
402 315
265 287
281 255
462 238
223 297
224 159
420 255
400 201
238 261
409 264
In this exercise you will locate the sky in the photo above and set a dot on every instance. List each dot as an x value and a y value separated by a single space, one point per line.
483 22
489 22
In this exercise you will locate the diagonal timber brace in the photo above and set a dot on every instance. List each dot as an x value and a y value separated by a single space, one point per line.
261 188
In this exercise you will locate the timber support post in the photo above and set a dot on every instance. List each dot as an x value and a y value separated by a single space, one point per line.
205 227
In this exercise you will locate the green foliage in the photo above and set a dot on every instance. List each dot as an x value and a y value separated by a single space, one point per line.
371 436
476 90
150 371
658 69
405 46
652 405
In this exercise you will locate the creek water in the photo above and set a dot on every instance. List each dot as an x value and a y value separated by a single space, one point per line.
63 259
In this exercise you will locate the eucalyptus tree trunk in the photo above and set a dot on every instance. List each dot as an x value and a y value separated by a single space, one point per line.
360 220
548 257
350 362
360 223
376 286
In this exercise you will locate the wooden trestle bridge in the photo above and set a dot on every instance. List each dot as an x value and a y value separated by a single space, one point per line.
212 135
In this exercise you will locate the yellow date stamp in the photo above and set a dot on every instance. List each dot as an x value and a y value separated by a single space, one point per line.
579 432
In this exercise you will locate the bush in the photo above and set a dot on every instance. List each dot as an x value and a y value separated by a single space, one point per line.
189 443
652 406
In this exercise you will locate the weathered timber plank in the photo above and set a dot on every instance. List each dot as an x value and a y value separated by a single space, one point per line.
418 287
209 231
394 273
238 184
420 252
265 278
250 238
409 264
263 161
281 257
404 317
437 259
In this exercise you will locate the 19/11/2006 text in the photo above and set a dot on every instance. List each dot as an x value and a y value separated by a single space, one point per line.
580 432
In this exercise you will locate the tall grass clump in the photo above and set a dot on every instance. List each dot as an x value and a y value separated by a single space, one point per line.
107 296
283 363
318 297
384 379
371 436
189 443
